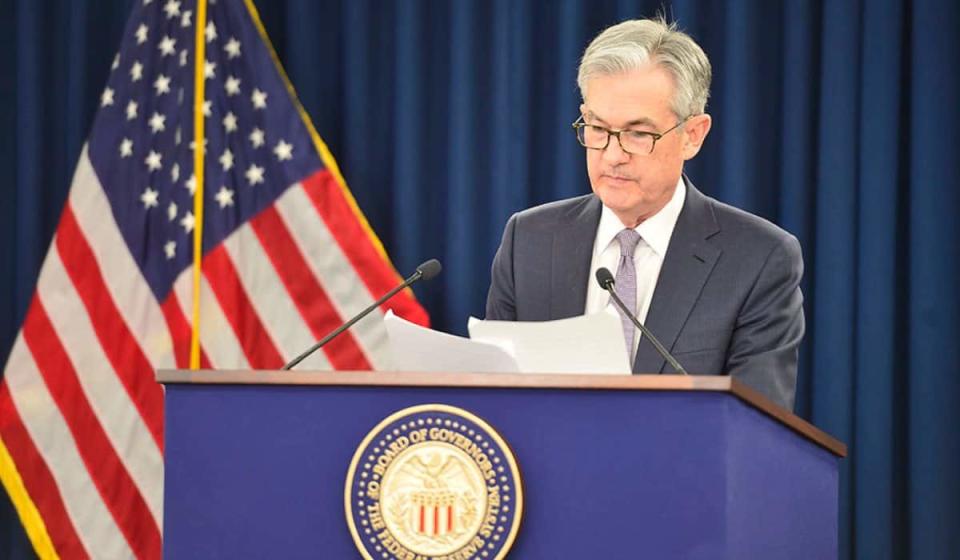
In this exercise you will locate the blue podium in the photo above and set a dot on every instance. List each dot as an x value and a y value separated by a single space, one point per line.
656 466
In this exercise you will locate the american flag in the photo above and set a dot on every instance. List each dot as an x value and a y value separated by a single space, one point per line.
286 257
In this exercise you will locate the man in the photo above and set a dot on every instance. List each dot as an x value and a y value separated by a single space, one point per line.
717 286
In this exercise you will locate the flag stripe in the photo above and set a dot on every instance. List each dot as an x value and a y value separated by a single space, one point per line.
120 273
269 298
327 263
47 428
328 200
217 336
114 484
124 353
310 298
120 420
254 339
38 481
180 333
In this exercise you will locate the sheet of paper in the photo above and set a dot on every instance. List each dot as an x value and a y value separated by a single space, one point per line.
416 348
586 344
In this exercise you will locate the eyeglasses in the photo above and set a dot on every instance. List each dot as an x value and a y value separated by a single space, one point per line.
639 142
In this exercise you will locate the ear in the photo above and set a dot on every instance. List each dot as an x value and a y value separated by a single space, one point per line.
695 132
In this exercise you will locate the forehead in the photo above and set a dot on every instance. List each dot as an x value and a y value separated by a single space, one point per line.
644 93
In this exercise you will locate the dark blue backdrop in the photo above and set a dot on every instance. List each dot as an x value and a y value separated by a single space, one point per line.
836 119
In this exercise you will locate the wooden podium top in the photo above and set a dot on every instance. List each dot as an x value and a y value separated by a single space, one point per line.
717 383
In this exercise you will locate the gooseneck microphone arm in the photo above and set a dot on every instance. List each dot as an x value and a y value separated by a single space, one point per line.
605 279
425 271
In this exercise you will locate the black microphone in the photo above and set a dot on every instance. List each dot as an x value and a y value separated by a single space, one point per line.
425 271
605 279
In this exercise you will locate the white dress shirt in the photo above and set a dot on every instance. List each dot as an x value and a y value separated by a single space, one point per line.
655 234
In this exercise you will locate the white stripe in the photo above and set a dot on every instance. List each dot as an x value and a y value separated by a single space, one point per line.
47 428
265 290
334 272
135 301
121 420
217 338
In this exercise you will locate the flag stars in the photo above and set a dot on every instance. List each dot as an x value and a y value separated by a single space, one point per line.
131 110
162 84
259 99
175 172
226 159
230 122
116 62
207 108
149 198
283 150
157 122
187 222
106 98
185 18
232 86
167 46
170 249
209 69
126 148
153 161
254 174
141 34
172 211
172 9
211 31
232 48
191 184
183 57
193 145
256 138
224 197
177 137
136 71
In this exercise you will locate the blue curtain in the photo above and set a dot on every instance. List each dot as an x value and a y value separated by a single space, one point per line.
837 119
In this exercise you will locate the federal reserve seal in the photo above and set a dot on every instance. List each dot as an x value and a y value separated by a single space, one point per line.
433 482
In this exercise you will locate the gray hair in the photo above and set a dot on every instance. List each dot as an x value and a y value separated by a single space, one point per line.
631 44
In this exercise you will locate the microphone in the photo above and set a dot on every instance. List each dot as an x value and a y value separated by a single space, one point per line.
425 271
605 279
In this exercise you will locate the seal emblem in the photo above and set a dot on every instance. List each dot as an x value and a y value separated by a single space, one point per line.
433 482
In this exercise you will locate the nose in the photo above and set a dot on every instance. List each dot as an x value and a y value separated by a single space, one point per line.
614 153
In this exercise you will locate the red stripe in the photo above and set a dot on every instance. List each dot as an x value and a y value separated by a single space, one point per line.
306 292
180 332
436 518
121 348
117 489
449 519
38 480
422 520
377 273
253 336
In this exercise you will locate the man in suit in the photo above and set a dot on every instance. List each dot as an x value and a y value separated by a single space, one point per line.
717 286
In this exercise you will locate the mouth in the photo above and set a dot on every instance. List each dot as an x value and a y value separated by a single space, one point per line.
618 179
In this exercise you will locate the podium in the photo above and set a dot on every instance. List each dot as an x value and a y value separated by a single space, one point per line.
642 466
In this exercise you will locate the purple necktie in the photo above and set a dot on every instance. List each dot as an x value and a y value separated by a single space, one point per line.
626 286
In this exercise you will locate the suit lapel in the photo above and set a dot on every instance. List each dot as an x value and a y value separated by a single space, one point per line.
686 267
571 255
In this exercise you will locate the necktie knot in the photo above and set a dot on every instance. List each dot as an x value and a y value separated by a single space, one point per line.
628 240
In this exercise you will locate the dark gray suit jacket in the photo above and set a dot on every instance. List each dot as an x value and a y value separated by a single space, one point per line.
727 300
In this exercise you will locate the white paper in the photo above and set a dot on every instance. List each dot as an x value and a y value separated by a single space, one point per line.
416 348
587 344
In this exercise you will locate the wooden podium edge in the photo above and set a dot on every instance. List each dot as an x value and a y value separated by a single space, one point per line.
602 382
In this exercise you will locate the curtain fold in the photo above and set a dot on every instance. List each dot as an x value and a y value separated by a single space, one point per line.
837 120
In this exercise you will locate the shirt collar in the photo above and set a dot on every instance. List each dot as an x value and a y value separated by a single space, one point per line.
655 230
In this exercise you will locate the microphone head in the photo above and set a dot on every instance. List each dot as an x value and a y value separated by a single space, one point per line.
429 269
604 278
